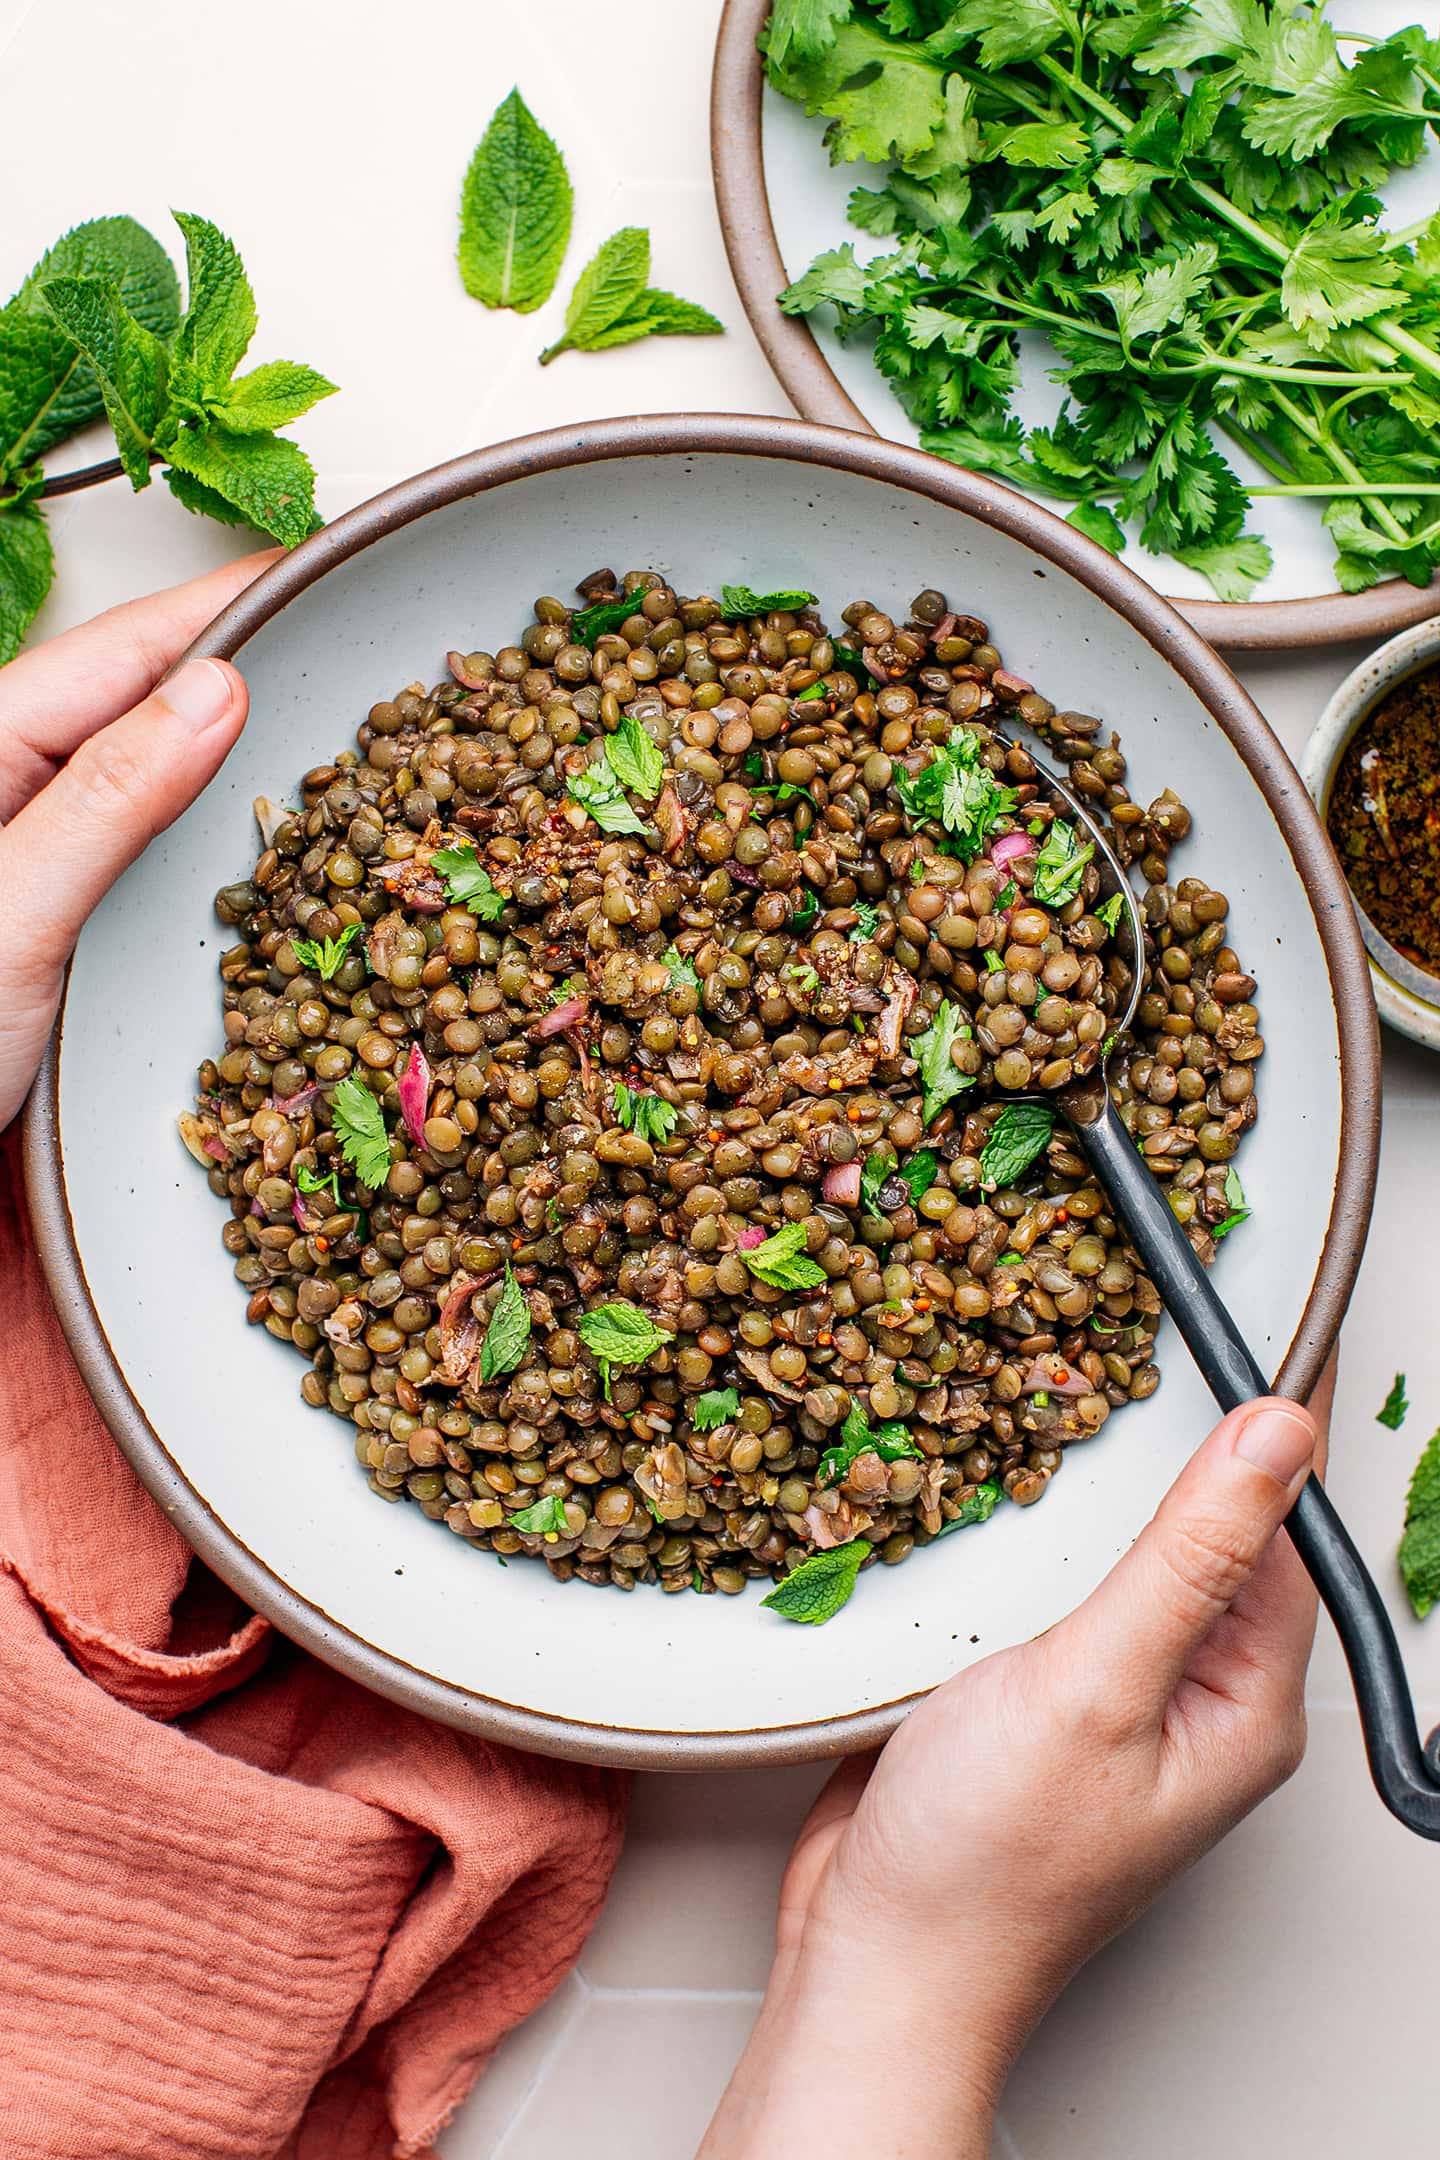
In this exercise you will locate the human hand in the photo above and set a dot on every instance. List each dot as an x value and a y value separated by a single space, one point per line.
939 1897
91 769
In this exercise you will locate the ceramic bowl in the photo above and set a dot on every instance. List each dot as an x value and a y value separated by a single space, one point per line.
1362 689
209 1410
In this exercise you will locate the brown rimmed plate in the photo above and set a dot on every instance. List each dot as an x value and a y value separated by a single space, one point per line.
209 1411
743 115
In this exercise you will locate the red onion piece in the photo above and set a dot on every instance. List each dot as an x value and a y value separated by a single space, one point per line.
742 873
561 1017
842 1183
215 1146
750 1236
414 1091
456 662
1010 847
287 1105
1041 1380
256 1208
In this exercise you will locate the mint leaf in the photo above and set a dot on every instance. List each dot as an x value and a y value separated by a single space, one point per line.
815 1591
26 569
606 615
309 1180
634 758
889 1442
359 1123
269 396
514 212
979 1507
543 1518
601 797
219 320
1020 1133
130 364
654 314
468 884
647 1114
939 1075
202 500
508 1332
325 959
1239 1213
1396 1405
614 277
620 1334
1060 866
270 482
1420 1546
738 602
717 1406
782 1262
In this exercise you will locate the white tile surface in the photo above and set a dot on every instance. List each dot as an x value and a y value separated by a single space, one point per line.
1277 2002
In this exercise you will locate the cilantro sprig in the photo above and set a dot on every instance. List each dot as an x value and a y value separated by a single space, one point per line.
1179 201
325 957
889 1441
644 1113
359 1123
959 791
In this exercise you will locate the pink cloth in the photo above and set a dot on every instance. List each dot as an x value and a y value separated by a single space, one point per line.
246 1908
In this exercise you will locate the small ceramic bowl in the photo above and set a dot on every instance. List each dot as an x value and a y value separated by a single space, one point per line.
209 1411
1394 662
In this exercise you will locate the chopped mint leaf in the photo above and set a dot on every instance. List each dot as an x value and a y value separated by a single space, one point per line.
468 884
815 1591
1060 866
1020 1133
1396 1405
782 1261
508 1332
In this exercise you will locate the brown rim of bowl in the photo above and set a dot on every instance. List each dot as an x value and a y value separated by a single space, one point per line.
728 435
805 375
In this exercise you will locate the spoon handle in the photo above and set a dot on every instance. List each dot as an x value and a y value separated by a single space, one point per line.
1407 1775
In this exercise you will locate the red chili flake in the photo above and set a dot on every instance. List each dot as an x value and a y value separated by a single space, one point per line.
322 1244
1062 1215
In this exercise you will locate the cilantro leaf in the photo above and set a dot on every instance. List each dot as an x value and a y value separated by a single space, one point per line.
468 884
359 1123
803 28
1234 567
717 1406
815 1591
1239 1212
1020 1133
979 1507
634 758
515 212
681 968
1336 275
310 1180
648 1115
957 790
611 282
783 1262
889 1442
600 796
738 602
1420 1546
1110 911
325 959
867 921
1060 866
543 1518
940 1076
508 1332
1396 1405
1098 523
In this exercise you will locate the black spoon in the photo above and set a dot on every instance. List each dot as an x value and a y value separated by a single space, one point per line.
1406 1772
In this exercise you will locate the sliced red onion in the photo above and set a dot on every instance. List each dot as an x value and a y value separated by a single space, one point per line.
457 664
750 1236
255 1207
215 1146
742 873
305 1221
287 1105
560 1017
842 1183
587 1070
1009 848
1041 1380
414 1090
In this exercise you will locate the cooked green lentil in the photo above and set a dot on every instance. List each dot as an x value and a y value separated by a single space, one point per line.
767 957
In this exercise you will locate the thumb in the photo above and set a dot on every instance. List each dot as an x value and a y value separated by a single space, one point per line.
121 787
1142 1626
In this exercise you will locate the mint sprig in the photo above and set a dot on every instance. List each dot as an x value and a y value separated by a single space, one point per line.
515 211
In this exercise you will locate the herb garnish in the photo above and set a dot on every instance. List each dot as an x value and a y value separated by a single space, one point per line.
805 979
1020 1133
681 967
715 1407
514 212
940 1076
598 791
782 1262
468 883
1060 865
634 758
649 1115
620 1334
543 1518
1235 1194
508 1332
325 959
602 617
958 790
1110 911
359 1123
889 1441
739 602
1396 1405
613 304
979 1507
1420 1546
815 1591
310 1180
867 922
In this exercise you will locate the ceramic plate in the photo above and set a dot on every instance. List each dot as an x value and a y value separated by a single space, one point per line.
209 1410
782 203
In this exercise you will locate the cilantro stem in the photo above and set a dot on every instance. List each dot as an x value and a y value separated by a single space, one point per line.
1329 448
1352 487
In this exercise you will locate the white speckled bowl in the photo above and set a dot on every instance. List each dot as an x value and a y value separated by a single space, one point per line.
1362 689
209 1411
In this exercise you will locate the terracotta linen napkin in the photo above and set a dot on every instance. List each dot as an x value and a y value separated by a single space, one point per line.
247 1909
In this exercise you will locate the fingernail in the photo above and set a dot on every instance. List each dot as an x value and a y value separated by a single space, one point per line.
1276 1439
200 693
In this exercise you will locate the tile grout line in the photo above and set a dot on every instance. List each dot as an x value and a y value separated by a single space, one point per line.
536 2078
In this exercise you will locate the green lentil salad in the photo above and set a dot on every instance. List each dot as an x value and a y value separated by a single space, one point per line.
633 1098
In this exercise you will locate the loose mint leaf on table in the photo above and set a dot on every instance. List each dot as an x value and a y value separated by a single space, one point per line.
130 363
979 1507
1020 1133
1420 1545
715 1407
815 1591
543 1518
634 758
939 1075
515 211
1239 1212
1396 1405
26 568
615 276
782 1262
889 1442
468 883
738 602
360 1124
620 1334
508 1332
656 314
590 623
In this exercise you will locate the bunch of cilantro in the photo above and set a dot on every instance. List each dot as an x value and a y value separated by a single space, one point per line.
1178 197
96 331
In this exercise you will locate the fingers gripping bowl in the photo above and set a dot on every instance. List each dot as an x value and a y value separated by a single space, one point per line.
255 1480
